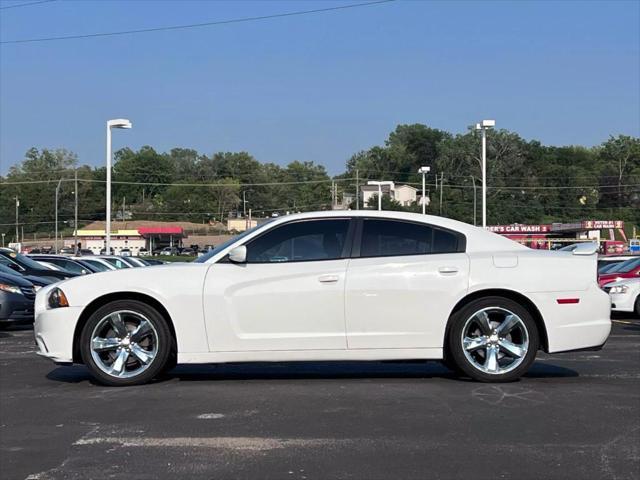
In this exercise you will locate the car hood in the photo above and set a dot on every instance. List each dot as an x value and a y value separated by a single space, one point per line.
17 280
160 282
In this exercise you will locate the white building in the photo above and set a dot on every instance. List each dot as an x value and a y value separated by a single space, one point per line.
404 194
95 240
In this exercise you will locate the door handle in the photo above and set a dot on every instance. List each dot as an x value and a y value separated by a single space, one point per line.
448 270
328 278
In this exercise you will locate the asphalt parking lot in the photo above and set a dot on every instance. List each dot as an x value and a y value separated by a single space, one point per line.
575 416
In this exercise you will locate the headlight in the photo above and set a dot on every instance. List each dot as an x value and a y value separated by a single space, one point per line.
10 288
619 289
57 299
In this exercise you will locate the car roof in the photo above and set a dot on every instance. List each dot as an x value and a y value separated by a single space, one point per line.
478 239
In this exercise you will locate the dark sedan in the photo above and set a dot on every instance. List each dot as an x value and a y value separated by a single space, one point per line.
66 263
27 266
17 295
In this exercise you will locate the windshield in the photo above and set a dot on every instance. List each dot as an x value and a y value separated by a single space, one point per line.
224 245
607 268
22 260
625 267
10 271
116 262
97 265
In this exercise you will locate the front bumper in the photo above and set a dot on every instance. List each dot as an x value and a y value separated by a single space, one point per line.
15 308
622 302
54 331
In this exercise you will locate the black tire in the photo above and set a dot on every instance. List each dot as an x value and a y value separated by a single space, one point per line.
456 349
637 307
162 338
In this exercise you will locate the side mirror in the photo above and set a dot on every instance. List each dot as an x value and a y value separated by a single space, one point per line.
238 254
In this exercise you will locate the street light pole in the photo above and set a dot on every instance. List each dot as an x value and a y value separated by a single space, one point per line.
473 180
424 171
117 123
57 191
484 126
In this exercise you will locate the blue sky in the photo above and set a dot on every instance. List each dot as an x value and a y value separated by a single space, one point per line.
317 87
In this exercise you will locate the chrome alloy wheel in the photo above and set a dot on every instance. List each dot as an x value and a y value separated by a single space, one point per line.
124 344
495 340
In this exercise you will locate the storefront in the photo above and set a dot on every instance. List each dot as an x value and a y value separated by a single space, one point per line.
556 235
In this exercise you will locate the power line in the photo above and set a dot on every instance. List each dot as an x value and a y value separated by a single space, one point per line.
19 5
199 25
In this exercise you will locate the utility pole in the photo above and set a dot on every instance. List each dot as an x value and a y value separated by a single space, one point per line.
357 189
333 194
123 203
57 191
244 204
75 217
17 205
441 185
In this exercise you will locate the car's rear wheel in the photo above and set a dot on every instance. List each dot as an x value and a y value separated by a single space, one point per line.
637 308
125 342
493 339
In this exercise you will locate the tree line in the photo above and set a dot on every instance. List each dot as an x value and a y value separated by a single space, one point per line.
527 182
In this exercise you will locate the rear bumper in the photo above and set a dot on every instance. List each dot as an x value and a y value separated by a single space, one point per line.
575 326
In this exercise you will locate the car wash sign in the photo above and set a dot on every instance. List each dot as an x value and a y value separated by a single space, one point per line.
602 224
519 229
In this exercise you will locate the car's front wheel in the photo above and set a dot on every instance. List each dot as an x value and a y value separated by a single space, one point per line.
493 339
125 342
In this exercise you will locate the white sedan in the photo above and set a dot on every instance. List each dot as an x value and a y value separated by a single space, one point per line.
328 286
625 295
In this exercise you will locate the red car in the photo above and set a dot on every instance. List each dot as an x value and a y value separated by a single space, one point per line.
627 269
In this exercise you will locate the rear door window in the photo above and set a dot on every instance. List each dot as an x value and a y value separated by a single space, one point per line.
386 238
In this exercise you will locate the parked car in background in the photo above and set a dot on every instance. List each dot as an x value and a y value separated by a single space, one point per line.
152 261
188 252
35 280
125 252
169 251
625 295
17 295
85 252
135 261
606 267
104 251
25 265
610 260
67 251
627 269
97 263
334 285
143 252
67 263
117 262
